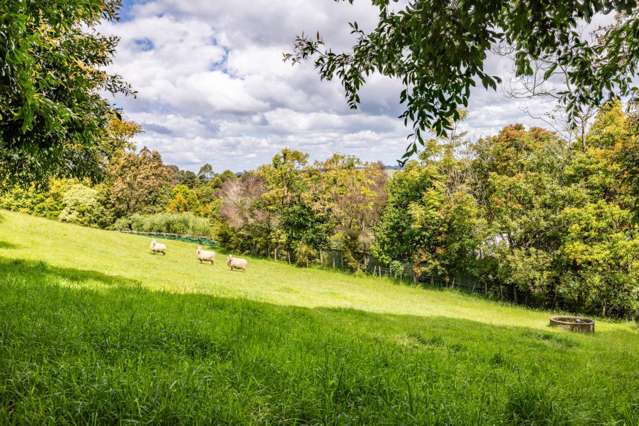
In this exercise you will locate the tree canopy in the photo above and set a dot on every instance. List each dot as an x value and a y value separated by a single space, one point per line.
53 118
438 50
522 215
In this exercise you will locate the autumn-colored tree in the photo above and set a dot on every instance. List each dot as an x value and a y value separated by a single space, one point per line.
139 183
246 224
351 196
183 199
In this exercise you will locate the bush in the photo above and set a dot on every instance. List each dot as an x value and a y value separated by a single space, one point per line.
396 268
172 223
305 254
45 202
81 206
122 224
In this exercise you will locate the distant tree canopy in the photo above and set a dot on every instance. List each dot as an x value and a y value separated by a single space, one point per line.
438 50
139 183
53 119
523 215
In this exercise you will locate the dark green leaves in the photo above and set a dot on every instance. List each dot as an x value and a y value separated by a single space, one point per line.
52 117
438 49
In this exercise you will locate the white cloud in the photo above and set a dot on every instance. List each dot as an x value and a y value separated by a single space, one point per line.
212 86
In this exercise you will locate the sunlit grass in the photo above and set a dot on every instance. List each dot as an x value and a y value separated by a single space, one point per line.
86 338
128 257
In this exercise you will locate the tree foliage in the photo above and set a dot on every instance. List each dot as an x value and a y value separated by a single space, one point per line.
528 217
523 215
53 119
438 50
297 210
82 206
139 183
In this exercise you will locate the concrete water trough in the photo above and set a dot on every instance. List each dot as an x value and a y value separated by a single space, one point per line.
578 324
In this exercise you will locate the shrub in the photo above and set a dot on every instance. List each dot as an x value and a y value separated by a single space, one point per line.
122 224
172 223
396 268
305 254
81 206
45 202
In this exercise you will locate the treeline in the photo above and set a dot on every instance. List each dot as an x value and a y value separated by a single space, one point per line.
139 193
526 216
523 216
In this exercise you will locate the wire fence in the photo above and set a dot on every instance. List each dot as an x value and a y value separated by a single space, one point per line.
367 263
334 259
328 258
200 239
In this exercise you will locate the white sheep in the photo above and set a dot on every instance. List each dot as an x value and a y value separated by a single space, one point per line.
158 247
236 263
205 255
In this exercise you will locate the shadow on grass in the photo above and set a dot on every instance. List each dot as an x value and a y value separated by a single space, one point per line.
39 273
186 357
8 245
42 272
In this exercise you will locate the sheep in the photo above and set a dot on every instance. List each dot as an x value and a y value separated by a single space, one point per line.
158 247
205 256
236 263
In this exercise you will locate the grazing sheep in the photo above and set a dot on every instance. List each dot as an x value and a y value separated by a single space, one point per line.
205 256
236 263
158 247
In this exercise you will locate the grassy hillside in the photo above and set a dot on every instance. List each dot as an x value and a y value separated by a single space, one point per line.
86 337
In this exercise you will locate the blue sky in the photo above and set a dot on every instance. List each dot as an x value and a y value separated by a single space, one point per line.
212 86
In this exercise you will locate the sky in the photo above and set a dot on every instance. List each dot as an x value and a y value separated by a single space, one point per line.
212 86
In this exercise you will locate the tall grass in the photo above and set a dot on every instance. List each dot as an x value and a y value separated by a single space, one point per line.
94 329
85 347
174 223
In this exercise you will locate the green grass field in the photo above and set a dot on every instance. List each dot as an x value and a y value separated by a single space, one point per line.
95 329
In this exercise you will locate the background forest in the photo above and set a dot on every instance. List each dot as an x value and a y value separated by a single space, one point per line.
524 215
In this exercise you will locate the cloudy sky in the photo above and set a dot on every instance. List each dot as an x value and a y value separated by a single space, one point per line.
212 86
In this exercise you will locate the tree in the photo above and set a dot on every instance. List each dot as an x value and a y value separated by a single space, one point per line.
350 195
82 206
431 220
36 200
598 259
139 183
247 225
183 199
205 173
287 199
438 50
53 118
119 138
184 177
